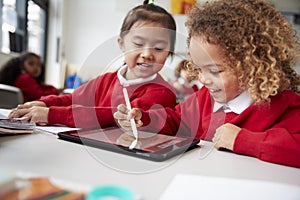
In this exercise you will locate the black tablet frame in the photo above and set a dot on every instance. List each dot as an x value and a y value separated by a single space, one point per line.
169 151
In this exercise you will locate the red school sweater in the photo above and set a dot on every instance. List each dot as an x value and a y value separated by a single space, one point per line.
93 104
269 132
31 89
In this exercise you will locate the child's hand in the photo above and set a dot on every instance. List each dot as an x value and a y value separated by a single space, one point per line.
123 115
31 104
27 105
225 136
34 114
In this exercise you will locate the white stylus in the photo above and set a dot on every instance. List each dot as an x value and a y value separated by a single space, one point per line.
132 122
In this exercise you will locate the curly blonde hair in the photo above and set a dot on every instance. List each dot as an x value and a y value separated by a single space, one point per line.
256 41
183 65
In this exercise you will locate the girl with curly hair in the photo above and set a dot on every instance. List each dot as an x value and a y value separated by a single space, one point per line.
243 51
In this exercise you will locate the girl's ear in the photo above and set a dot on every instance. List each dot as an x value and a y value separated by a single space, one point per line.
121 44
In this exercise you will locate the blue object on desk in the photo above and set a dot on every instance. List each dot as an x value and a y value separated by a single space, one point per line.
112 191
73 82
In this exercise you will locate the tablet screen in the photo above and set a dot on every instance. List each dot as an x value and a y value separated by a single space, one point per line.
147 142
150 146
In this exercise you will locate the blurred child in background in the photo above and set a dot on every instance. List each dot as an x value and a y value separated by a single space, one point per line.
185 84
27 73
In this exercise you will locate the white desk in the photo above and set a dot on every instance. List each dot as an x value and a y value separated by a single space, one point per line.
44 154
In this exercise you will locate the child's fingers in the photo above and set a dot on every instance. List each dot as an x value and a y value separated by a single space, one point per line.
122 108
12 113
125 124
136 114
123 117
139 123
23 106
20 110
27 118
16 113
32 104
120 116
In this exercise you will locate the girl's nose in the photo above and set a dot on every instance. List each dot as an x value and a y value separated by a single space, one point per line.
204 79
147 54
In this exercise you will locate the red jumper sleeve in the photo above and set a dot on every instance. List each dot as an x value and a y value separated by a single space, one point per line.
280 143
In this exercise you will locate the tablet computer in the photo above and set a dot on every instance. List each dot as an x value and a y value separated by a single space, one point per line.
150 146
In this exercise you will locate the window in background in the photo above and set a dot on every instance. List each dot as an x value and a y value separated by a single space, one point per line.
9 24
24 26
36 28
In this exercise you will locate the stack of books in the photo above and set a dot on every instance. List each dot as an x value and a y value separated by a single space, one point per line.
15 126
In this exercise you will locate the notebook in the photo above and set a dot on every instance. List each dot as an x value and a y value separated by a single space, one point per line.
150 146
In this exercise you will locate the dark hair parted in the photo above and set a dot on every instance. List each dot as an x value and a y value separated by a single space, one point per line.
256 41
150 13
13 67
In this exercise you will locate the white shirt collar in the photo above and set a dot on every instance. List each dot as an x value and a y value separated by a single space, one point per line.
236 105
124 82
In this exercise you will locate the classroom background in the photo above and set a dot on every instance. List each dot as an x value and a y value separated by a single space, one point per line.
80 36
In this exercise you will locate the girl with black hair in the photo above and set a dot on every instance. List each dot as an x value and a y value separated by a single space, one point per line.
146 38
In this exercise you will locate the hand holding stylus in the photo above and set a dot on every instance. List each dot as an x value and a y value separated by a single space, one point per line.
132 122
123 116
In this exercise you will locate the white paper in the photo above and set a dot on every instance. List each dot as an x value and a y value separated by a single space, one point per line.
4 113
215 188
55 129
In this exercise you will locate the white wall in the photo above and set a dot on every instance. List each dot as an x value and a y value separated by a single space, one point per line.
90 34
88 24
4 57
54 68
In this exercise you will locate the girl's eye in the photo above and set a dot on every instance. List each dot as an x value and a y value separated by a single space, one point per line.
138 44
215 72
159 49
31 63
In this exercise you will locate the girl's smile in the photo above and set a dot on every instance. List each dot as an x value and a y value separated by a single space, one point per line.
212 70
146 47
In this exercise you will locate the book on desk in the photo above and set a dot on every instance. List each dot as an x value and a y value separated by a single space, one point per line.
15 126
12 127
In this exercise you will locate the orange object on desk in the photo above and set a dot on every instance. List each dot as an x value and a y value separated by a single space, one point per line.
38 188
